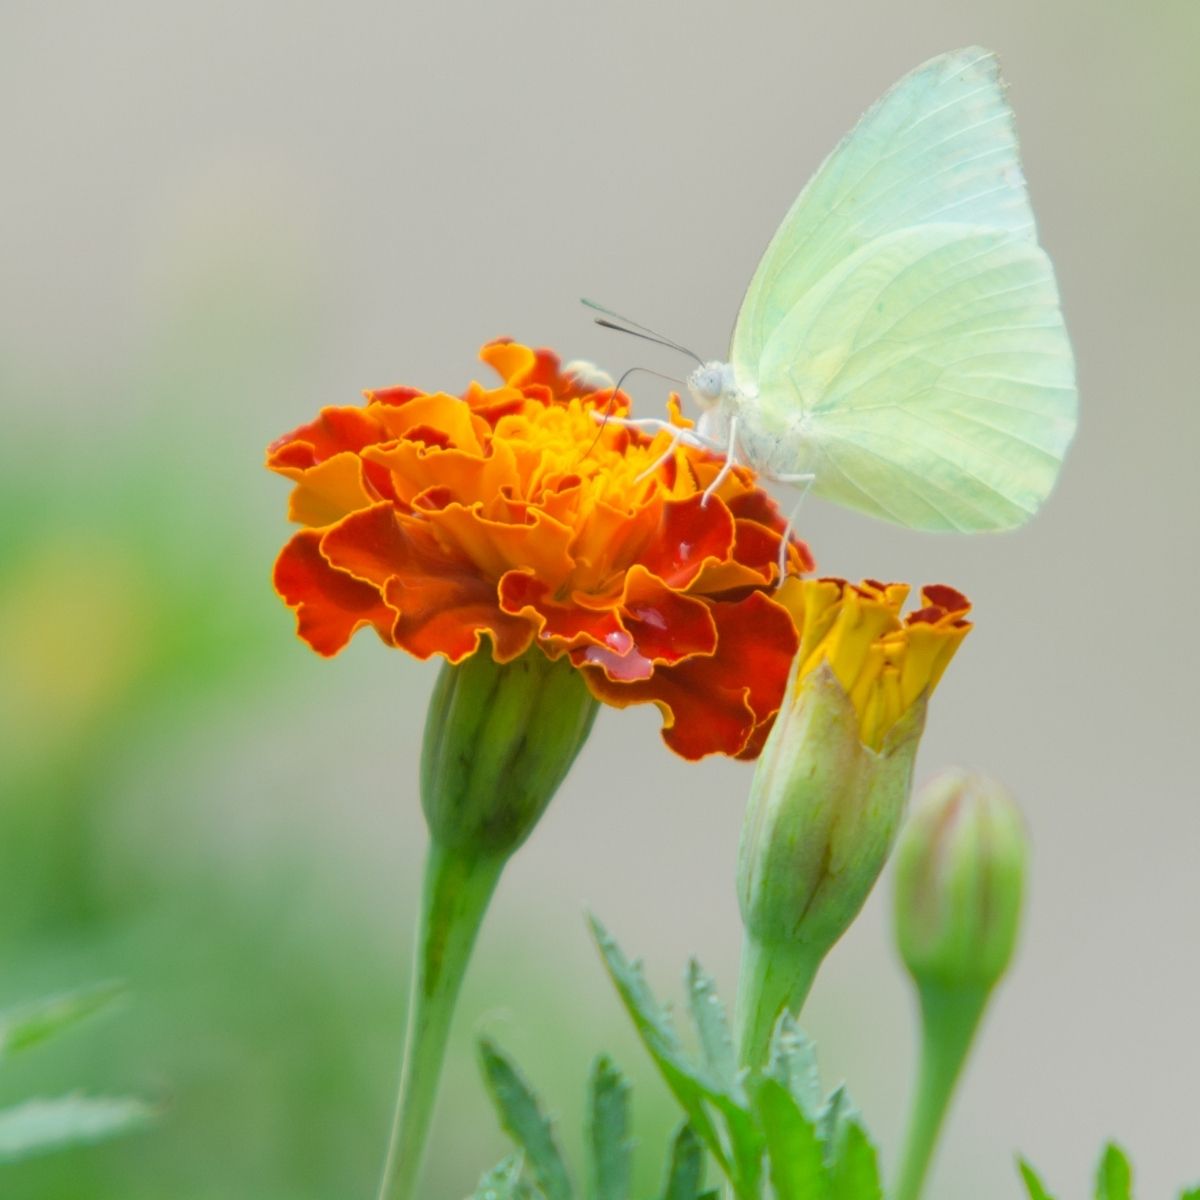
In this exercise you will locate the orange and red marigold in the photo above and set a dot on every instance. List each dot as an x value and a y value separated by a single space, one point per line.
511 512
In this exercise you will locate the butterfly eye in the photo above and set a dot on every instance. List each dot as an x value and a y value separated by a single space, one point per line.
705 385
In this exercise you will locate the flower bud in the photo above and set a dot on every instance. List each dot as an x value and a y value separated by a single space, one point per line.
499 739
960 873
833 780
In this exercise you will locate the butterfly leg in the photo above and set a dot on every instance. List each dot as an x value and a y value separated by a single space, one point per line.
642 424
803 482
677 436
727 466
680 435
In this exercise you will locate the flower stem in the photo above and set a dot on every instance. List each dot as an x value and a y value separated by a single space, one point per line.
949 1019
773 977
458 888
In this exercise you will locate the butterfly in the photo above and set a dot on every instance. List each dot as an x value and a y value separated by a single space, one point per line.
901 348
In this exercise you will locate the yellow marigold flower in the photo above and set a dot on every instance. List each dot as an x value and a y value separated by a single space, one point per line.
884 662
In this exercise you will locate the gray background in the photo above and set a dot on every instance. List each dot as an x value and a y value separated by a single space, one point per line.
356 195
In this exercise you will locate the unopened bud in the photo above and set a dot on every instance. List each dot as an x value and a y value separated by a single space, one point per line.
960 873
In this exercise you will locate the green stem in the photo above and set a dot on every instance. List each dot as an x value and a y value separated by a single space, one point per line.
948 1023
773 976
458 888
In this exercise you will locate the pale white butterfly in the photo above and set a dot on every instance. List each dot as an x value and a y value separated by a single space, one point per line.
901 349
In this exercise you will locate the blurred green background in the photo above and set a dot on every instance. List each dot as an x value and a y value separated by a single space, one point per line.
218 217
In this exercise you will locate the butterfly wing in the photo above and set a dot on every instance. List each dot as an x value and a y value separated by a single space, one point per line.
933 379
950 406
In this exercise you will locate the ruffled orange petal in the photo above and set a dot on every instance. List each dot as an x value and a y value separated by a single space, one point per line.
722 703
449 615
330 605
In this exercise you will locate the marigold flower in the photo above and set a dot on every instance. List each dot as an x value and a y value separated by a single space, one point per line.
884 663
511 513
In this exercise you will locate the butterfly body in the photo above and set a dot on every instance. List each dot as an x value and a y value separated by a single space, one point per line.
901 345
772 439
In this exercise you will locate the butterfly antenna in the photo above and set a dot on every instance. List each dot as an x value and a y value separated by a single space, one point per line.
613 398
634 329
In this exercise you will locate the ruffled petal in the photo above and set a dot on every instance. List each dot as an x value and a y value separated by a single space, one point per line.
330 605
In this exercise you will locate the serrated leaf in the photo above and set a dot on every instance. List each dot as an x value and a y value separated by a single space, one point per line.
522 1119
1114 1180
685 1171
658 1036
41 1125
34 1023
793 1061
855 1173
608 1132
501 1182
1033 1184
716 1042
836 1116
691 1086
793 1147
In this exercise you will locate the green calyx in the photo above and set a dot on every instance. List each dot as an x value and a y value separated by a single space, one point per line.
499 740
822 816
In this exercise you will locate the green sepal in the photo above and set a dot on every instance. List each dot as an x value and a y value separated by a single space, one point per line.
797 1164
685 1170
38 1126
793 1062
608 1132
499 740
41 1020
1114 1179
855 1171
522 1118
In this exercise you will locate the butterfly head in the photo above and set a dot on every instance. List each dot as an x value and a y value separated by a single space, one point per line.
711 383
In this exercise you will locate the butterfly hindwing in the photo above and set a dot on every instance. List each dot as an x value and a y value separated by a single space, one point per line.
935 379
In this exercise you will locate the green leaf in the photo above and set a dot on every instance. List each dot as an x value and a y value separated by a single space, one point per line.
797 1164
522 1119
1033 1185
691 1085
1190 1194
1114 1180
41 1125
658 1036
685 1171
608 1132
716 1042
836 1117
504 1182
34 1023
856 1168
793 1061
500 1183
